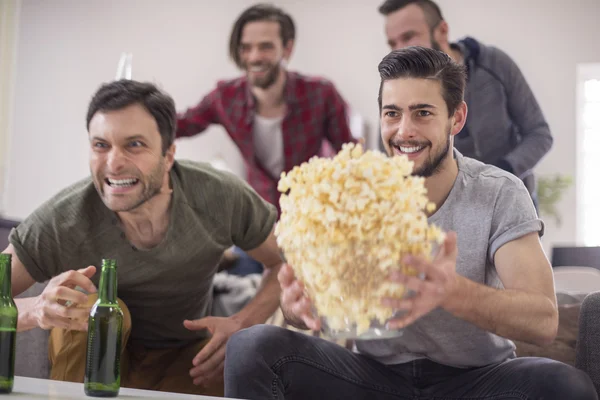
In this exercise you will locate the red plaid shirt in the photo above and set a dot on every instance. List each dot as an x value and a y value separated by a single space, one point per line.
315 112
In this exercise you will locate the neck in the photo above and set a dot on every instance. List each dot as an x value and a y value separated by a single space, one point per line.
5 276
273 96
108 283
453 52
440 184
146 225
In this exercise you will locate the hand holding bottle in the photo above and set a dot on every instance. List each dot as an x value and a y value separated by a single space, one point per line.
57 307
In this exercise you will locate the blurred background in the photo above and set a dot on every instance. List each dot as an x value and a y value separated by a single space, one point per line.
55 53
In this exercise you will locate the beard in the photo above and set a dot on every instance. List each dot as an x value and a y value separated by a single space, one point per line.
434 163
268 79
150 184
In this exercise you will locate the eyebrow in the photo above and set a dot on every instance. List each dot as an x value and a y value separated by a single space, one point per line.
412 107
127 139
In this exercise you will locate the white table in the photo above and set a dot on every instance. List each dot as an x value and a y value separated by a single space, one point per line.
35 389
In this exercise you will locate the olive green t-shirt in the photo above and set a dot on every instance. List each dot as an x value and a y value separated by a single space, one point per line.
211 210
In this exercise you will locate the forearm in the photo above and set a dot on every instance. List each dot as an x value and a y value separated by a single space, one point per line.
266 301
26 309
533 147
513 314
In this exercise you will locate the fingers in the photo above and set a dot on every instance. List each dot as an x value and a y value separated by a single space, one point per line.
450 247
214 344
292 293
63 293
286 276
76 278
58 316
199 324
209 366
216 376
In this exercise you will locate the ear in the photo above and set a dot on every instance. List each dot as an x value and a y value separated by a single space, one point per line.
459 118
441 31
287 49
170 157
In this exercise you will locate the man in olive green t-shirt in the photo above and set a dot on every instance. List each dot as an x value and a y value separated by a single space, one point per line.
167 223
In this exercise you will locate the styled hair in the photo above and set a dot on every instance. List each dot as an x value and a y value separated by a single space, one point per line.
260 12
432 11
119 94
424 63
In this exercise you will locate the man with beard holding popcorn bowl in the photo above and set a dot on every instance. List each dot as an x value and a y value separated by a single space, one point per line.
359 232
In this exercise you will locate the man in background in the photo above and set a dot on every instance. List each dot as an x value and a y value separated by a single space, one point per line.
277 118
505 126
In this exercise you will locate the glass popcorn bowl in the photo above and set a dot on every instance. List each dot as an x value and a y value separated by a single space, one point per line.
347 283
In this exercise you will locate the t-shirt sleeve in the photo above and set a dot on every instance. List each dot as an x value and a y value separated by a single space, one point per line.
37 242
514 216
252 218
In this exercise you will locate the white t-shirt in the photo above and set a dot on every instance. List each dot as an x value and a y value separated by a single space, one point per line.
268 143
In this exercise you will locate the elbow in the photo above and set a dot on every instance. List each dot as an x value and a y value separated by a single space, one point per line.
548 329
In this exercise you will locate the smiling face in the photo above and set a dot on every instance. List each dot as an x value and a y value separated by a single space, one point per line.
415 123
262 52
126 159
409 27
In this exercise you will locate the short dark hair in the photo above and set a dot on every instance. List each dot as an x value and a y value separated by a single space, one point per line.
260 12
433 13
425 63
119 94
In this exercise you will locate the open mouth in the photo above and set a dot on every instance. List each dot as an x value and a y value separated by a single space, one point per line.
408 150
121 183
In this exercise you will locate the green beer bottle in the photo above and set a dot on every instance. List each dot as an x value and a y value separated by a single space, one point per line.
8 327
103 359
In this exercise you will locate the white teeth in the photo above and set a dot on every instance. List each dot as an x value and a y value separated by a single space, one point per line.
121 182
257 69
409 149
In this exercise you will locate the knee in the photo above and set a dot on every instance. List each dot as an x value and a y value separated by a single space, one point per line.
92 297
251 349
562 381
252 341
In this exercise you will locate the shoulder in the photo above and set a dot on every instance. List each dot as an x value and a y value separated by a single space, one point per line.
204 185
492 188
311 82
71 210
493 59
229 87
487 177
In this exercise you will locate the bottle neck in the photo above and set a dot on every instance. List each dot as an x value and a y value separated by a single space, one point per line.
107 292
5 276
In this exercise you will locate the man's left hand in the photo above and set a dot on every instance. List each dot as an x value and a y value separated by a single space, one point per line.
209 362
439 282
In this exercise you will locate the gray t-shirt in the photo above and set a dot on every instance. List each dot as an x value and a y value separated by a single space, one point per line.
487 208
210 211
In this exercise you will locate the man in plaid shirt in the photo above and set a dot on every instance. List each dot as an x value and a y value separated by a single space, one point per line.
277 118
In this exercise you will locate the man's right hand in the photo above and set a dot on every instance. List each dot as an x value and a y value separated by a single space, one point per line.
51 309
296 306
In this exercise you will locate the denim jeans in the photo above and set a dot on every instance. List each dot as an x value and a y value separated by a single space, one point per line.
268 362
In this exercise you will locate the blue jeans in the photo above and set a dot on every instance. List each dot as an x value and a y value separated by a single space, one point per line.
268 362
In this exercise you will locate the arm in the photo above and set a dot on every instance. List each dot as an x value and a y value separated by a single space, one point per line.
196 119
526 114
525 309
48 310
337 129
266 300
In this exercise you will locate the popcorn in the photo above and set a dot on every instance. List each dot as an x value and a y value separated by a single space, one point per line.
346 223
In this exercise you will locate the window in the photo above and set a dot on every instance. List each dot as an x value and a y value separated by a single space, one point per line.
588 154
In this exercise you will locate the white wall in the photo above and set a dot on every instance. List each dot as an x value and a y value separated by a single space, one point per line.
66 48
